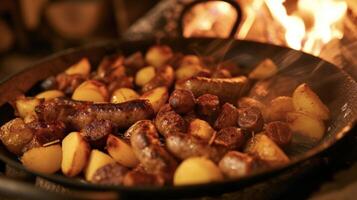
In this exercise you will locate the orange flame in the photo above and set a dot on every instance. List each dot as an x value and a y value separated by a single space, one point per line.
325 16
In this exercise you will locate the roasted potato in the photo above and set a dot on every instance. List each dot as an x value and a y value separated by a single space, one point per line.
46 160
91 90
264 70
75 154
82 67
15 134
164 78
228 90
25 108
50 94
121 152
263 148
201 129
144 75
306 101
97 159
158 55
123 94
185 72
279 107
157 97
306 125
197 170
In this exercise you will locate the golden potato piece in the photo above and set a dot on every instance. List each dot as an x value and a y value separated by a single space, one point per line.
144 75
201 129
187 71
45 160
50 94
82 67
75 153
97 159
158 55
263 70
279 107
157 97
306 125
197 170
123 94
121 151
305 100
262 147
91 90
188 60
25 107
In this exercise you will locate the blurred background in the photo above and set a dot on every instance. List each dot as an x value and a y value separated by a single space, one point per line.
33 29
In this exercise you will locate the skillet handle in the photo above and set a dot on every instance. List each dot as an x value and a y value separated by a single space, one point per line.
234 4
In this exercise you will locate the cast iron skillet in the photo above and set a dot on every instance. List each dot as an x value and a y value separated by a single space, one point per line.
333 85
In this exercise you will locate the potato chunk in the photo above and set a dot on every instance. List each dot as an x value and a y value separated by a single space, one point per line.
75 153
123 94
306 125
144 75
91 90
50 94
262 147
197 170
82 67
97 159
279 107
45 160
157 97
201 129
263 70
158 55
25 108
121 151
305 100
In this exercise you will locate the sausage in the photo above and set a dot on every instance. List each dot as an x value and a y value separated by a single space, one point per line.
164 77
46 132
227 117
122 115
227 89
279 132
147 148
251 119
208 106
230 137
168 121
96 133
110 174
182 101
184 146
138 177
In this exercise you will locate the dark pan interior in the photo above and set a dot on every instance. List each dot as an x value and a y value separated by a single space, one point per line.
333 85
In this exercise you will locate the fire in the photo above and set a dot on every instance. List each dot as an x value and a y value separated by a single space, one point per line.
313 24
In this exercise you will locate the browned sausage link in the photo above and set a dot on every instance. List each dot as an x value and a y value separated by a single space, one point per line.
184 146
46 132
227 89
230 137
167 121
251 119
122 115
164 77
142 178
96 133
146 146
227 117
15 135
208 106
110 174
182 101
235 164
279 132
59 109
